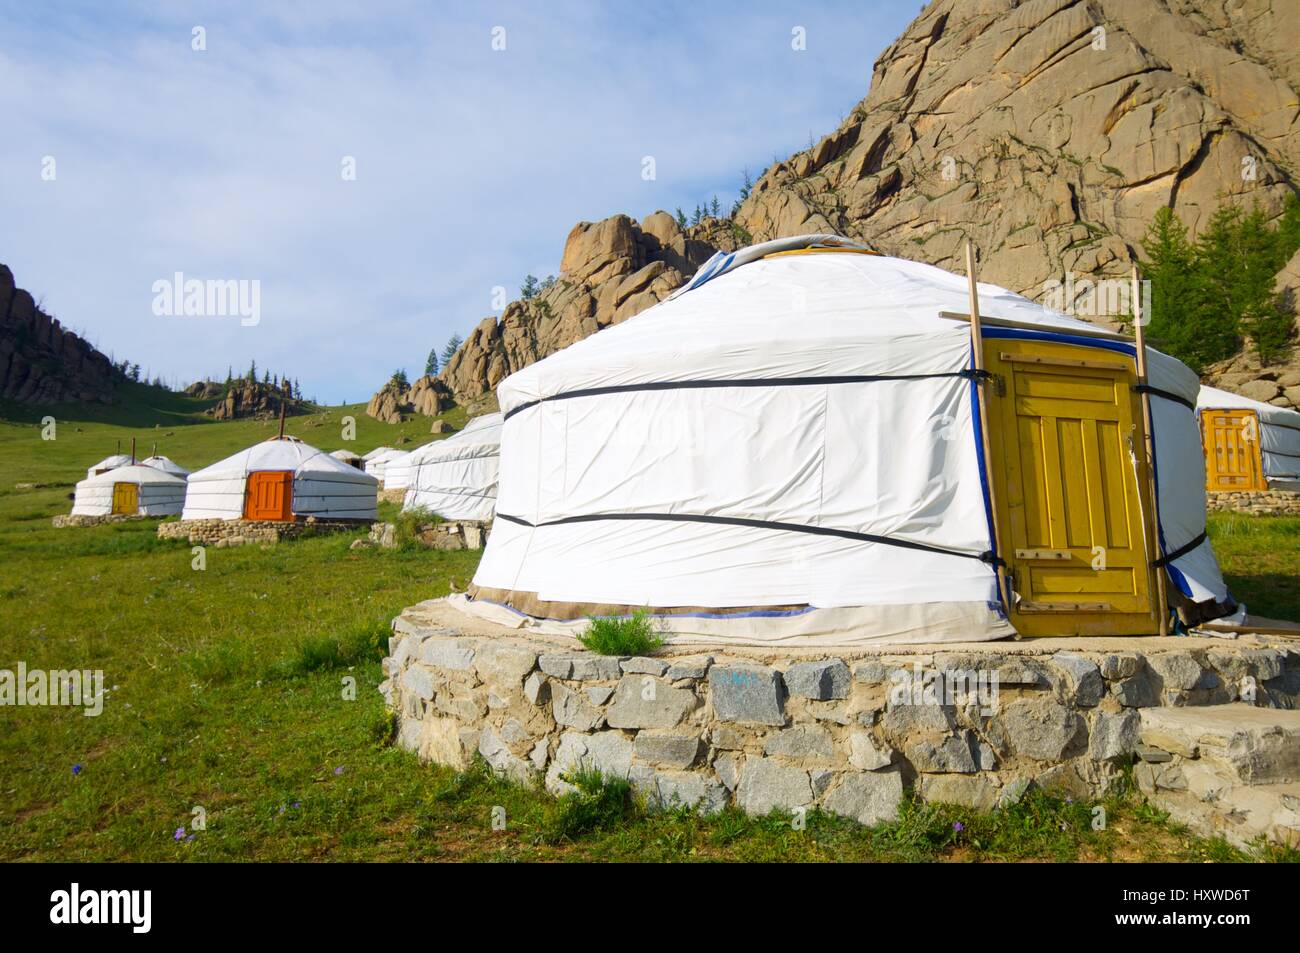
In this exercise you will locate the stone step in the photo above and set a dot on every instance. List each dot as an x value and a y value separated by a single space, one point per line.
1214 807
1239 743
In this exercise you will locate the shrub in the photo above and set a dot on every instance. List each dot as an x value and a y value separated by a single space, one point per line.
407 525
597 803
621 635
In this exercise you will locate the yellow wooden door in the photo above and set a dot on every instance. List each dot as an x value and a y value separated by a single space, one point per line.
126 498
1232 458
1068 462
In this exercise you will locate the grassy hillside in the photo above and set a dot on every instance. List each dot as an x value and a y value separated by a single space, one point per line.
176 423
226 692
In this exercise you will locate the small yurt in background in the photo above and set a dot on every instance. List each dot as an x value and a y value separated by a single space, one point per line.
349 457
281 479
131 490
457 477
108 463
166 464
1249 445
377 466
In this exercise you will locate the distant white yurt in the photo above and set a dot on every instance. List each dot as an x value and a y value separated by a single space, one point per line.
108 463
457 477
377 466
790 451
397 472
166 464
1249 445
281 479
349 457
131 490
378 451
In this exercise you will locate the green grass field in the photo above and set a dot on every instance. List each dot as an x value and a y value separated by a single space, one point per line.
228 693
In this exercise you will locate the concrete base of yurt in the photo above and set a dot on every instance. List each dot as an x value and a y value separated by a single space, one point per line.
68 519
211 532
451 534
1208 720
1255 502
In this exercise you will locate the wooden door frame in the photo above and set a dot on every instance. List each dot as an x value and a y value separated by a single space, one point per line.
286 477
1260 482
1080 355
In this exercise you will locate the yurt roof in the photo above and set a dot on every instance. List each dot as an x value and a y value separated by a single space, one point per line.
345 455
132 473
389 454
484 431
280 453
1211 398
116 460
166 464
798 305
378 451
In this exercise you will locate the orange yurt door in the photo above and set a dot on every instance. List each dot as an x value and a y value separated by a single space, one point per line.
126 498
269 495
1232 457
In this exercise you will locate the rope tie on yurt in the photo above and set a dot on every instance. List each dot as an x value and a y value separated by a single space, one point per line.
967 374
987 557
1178 553
1167 395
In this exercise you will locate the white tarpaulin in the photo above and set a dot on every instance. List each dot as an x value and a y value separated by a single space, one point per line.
457 477
166 464
157 493
322 486
377 466
1279 436
108 463
722 449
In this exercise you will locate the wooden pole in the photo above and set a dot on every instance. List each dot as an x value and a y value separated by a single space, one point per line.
281 437
977 360
133 451
1162 602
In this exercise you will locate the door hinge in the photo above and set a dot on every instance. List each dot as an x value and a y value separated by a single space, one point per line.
999 385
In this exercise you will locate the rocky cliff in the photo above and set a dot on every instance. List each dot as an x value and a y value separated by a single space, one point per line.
1048 132
255 399
40 362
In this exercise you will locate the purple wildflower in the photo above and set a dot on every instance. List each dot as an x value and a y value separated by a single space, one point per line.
180 834
339 769
76 770
958 826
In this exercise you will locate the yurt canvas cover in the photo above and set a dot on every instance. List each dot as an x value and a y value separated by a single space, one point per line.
166 464
320 485
108 463
349 457
1249 445
377 466
129 490
788 452
457 477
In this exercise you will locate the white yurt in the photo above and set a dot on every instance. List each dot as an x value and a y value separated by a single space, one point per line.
349 457
131 490
791 451
457 477
397 472
281 479
377 466
1249 445
108 463
166 464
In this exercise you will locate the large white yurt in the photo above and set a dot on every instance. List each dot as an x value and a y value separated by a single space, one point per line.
1249 445
377 466
457 477
166 464
789 451
108 463
397 472
281 479
131 490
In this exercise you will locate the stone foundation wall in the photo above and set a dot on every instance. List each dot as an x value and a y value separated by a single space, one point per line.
845 735
67 519
456 534
222 533
392 496
1255 502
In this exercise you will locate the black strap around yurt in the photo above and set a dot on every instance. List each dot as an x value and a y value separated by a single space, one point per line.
1178 553
1167 395
968 374
985 557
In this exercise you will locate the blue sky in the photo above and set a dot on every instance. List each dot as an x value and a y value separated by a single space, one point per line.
472 164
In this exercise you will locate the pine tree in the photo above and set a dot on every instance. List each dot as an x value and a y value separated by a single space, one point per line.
714 208
528 290
431 363
681 217
252 372
1178 297
450 348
